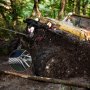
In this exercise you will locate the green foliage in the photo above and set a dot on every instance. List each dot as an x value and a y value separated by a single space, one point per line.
50 8
22 9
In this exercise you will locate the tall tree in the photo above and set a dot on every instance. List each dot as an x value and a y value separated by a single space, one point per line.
77 8
14 12
36 12
84 6
70 5
10 11
62 8
4 9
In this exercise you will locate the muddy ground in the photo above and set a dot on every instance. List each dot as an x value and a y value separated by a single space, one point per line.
61 56
55 56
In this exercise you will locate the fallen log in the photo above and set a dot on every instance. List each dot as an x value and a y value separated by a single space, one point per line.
80 33
48 80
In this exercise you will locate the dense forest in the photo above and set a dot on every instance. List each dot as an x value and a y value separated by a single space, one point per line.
13 12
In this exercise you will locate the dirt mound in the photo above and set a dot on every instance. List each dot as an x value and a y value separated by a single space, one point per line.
60 56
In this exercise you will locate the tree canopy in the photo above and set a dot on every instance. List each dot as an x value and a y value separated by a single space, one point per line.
12 12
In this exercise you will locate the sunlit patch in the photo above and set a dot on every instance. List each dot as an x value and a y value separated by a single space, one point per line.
69 14
47 67
36 19
49 24
31 29
68 71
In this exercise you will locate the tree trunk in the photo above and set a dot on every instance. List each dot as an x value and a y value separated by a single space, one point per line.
77 9
84 5
6 21
74 4
14 14
36 12
62 8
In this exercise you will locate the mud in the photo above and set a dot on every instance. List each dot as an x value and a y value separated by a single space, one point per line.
56 56
8 82
61 56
